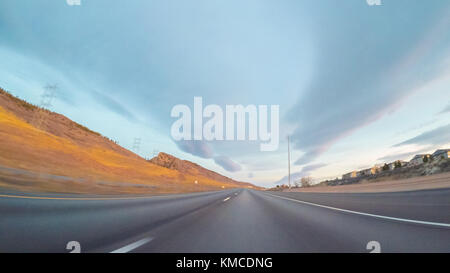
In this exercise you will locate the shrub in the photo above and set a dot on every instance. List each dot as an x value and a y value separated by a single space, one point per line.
306 182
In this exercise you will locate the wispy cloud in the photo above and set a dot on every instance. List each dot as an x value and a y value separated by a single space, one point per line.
113 105
285 180
196 147
227 164
305 171
204 150
401 156
437 136
359 82
446 109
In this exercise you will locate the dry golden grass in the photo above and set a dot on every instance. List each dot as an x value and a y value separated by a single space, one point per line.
61 147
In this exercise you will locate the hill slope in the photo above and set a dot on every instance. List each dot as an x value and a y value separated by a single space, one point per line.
44 151
187 167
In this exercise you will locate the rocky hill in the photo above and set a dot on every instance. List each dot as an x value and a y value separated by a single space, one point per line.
187 167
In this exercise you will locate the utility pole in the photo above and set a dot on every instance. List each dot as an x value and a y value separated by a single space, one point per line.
289 164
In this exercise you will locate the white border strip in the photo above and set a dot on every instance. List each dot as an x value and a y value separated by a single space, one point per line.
366 214
132 246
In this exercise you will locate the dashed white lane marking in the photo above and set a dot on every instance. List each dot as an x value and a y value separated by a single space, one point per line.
367 214
132 246
226 199
236 193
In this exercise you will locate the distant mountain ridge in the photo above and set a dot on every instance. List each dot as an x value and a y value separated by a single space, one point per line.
40 141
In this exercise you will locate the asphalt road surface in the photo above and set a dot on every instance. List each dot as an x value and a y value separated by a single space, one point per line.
237 220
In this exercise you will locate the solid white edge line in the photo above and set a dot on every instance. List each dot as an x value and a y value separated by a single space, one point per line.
226 199
132 246
366 214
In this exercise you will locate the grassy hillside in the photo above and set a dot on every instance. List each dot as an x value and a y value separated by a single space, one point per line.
41 142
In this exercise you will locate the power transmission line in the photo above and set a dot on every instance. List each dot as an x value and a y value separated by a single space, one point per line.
48 95
46 102
136 144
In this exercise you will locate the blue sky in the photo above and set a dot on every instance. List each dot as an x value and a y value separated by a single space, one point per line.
356 84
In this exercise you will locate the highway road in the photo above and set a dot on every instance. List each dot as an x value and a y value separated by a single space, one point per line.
237 220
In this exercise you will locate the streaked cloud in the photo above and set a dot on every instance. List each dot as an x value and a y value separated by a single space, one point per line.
305 171
401 156
437 136
196 147
312 167
446 109
357 81
227 164
113 105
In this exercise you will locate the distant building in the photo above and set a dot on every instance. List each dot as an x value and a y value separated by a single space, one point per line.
377 168
365 172
403 163
441 153
349 175
418 159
